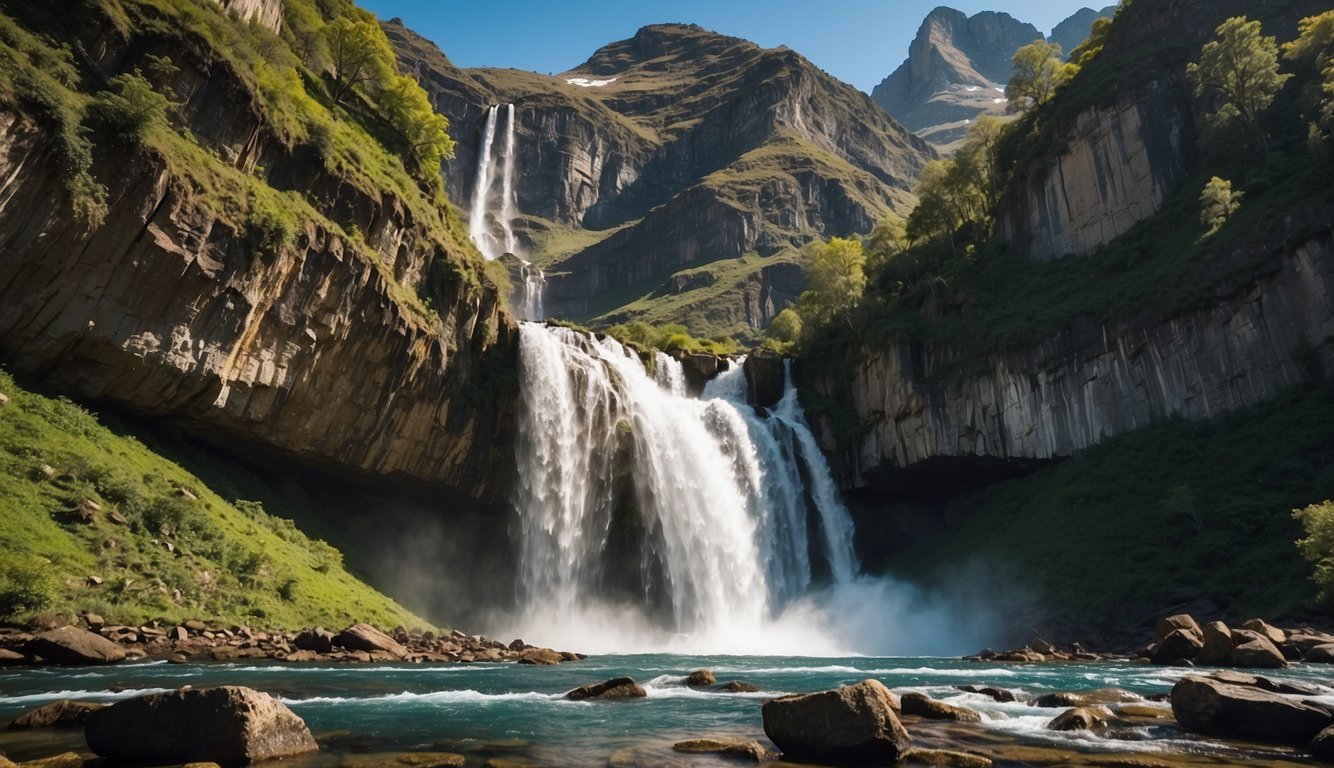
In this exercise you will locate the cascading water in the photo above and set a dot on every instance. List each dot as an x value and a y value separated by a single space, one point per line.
698 519
483 220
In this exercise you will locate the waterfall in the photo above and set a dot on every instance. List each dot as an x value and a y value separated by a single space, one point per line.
700 518
482 220
478 229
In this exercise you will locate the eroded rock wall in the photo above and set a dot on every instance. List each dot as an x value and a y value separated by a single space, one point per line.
268 13
1093 382
1118 165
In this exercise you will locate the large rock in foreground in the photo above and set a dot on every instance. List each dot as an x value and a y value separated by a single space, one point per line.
229 724
71 645
854 724
1210 706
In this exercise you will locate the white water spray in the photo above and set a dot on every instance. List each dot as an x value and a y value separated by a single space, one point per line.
483 220
653 520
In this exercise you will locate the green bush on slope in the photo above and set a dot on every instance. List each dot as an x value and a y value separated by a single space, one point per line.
94 520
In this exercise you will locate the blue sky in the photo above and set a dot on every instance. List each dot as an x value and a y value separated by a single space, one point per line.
859 41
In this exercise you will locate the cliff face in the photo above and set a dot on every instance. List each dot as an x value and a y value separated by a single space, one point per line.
266 13
1117 166
317 350
1096 381
670 150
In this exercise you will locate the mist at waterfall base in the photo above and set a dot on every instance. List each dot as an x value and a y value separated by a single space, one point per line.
653 521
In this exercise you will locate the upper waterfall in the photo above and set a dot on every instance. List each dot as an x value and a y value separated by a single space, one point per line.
484 219
702 518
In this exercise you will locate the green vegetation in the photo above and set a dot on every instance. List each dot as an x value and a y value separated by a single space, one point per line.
670 338
129 109
1218 203
1187 503
1039 72
837 272
96 521
1318 546
1241 67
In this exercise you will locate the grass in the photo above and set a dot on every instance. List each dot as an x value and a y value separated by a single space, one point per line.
182 551
715 308
1205 504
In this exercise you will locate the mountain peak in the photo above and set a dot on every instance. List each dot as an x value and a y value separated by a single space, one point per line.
664 47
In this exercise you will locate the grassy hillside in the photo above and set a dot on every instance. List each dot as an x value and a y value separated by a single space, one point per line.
1106 535
93 520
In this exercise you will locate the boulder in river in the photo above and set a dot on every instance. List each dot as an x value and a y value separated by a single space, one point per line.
71 645
1179 645
924 706
996 694
56 714
1257 652
542 657
740 686
1210 706
364 637
700 678
1322 746
1320 654
1181 621
947 758
1217 648
751 751
317 640
229 724
853 724
1080 719
615 688
1271 633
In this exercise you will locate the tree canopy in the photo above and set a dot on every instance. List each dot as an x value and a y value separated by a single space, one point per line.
1240 68
1038 72
359 54
837 274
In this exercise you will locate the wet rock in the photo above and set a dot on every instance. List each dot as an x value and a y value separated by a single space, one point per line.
1246 679
739 686
1178 646
924 706
409 759
540 657
56 714
1322 746
639 758
10 658
1209 706
766 378
751 751
1217 648
364 637
66 760
947 758
700 678
1181 621
1258 652
616 688
996 694
1080 719
317 640
1320 654
225 724
1271 633
1057 700
71 645
1305 641
853 724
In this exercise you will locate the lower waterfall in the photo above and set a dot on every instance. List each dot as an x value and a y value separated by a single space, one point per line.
649 519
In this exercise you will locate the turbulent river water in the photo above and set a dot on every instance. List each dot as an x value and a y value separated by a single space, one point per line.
509 710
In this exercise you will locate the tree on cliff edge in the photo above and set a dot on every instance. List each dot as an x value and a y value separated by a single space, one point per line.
1241 68
360 55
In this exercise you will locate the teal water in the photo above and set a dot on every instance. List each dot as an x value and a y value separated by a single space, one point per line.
497 709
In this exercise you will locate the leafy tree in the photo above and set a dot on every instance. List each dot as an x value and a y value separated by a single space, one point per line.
1092 46
407 108
1038 73
360 55
886 241
786 326
1318 546
1218 203
837 274
1315 46
130 108
1240 66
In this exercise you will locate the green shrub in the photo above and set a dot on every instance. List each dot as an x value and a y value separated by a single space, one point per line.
1318 546
25 587
129 109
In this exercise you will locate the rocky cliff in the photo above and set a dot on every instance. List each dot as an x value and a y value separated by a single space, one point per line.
1106 158
1073 31
378 353
672 150
1098 380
